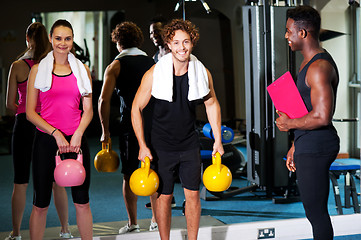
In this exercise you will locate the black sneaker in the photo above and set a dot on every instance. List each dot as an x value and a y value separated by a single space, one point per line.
173 204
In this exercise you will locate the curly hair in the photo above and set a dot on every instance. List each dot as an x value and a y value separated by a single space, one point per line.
179 24
128 35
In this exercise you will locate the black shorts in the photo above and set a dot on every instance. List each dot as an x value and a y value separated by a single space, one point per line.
22 144
185 164
129 151
44 152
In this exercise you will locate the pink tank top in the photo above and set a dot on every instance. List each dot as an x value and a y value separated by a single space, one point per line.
60 104
22 86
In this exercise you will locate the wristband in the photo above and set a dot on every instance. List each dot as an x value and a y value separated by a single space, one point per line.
53 131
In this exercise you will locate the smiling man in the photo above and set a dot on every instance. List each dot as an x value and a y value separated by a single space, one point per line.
316 143
176 84
155 34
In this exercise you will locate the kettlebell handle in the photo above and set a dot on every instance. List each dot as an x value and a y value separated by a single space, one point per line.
107 145
146 165
217 161
58 159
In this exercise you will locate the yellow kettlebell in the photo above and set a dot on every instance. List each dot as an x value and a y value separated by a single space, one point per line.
144 181
106 160
217 177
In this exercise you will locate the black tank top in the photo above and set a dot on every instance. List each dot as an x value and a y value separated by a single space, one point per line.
324 139
173 126
132 69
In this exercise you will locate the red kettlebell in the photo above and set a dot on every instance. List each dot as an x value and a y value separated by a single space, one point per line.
69 172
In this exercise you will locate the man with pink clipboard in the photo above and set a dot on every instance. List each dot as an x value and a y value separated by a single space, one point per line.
316 143
286 98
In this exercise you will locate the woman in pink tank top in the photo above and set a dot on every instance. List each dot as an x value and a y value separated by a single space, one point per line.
60 126
23 131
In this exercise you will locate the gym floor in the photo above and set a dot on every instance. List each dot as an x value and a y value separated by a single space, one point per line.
109 213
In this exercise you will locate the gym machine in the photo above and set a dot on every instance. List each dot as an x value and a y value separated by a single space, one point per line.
267 57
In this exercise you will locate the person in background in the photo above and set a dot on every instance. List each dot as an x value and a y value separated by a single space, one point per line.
124 75
316 143
62 83
23 133
176 84
155 34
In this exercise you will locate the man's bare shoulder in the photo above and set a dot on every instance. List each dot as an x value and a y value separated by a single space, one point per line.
322 66
114 65
113 68
321 69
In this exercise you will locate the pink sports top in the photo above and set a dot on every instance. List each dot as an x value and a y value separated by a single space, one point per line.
60 104
22 86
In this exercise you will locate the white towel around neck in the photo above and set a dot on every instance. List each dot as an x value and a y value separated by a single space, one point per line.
134 51
43 79
130 52
162 87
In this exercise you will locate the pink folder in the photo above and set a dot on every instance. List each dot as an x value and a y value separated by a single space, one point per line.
286 97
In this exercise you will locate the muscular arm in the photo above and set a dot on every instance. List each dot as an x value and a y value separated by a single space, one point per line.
319 78
214 116
140 101
110 75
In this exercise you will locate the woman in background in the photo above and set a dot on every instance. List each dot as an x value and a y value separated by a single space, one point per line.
23 133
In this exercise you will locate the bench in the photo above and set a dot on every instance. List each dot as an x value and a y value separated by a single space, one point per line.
348 168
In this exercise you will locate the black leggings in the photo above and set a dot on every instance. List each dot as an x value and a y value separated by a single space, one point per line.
22 144
44 152
314 184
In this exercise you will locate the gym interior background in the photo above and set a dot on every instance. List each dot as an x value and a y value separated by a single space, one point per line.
221 48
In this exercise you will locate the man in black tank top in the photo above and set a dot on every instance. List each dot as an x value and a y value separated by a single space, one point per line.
155 34
174 141
124 75
316 143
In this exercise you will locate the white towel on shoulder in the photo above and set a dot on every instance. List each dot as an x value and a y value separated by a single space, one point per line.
162 87
130 52
27 55
134 51
43 79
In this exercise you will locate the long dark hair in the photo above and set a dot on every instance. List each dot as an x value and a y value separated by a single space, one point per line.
37 33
